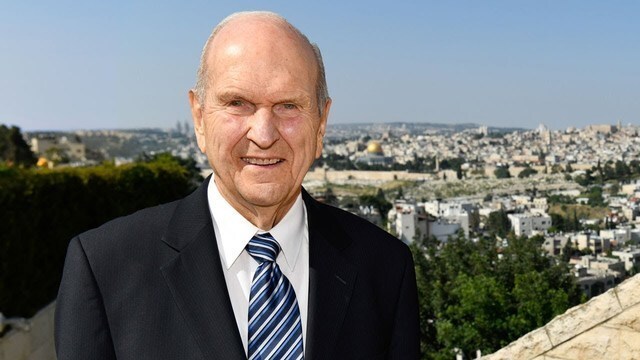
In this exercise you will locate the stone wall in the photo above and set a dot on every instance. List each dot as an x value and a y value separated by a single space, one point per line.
35 344
605 327
319 174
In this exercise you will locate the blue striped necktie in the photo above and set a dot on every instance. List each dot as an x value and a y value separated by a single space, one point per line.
275 328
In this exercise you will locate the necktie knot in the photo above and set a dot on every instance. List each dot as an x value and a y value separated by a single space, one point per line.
263 247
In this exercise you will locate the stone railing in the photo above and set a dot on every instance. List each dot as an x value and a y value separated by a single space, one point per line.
32 342
605 327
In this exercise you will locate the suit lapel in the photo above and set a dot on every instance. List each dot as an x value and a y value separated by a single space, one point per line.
331 281
197 282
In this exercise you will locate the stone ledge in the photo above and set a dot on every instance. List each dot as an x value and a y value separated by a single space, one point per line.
628 320
583 317
600 343
527 347
607 324
629 292
35 344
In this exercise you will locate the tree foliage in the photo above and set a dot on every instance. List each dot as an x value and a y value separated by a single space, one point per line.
42 209
498 223
335 162
528 171
595 196
378 201
570 223
13 149
452 163
478 296
502 172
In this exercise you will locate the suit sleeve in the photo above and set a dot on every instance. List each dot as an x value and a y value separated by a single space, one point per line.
81 328
405 341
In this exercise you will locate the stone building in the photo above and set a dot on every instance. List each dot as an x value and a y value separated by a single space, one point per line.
529 224
73 148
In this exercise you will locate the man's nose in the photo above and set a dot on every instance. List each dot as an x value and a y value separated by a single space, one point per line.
262 128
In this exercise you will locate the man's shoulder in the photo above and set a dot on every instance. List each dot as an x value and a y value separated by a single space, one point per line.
360 232
351 221
129 231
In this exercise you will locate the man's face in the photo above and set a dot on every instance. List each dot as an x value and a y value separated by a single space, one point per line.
259 124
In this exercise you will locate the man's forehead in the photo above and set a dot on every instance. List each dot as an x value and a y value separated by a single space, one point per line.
268 61
233 50
249 29
259 33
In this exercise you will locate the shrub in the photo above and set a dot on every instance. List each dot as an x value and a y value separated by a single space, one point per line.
41 210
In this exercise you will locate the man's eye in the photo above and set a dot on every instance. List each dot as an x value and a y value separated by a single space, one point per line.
239 107
287 110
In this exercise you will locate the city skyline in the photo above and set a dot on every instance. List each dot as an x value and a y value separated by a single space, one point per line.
91 65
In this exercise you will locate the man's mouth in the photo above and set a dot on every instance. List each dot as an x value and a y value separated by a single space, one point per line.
261 161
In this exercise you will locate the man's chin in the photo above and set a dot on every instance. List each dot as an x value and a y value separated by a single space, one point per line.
268 195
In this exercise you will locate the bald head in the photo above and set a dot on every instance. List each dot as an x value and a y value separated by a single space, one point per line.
239 30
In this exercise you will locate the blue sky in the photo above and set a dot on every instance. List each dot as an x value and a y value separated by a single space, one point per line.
122 64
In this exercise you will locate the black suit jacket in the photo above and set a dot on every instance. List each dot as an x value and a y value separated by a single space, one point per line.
150 286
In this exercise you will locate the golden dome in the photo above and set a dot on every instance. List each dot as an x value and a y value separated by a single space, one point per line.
374 147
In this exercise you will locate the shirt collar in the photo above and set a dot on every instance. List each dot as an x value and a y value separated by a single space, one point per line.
235 231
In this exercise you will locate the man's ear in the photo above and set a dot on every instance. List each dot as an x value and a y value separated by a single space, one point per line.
322 127
198 122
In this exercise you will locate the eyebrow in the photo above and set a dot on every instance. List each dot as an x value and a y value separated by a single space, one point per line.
294 97
225 96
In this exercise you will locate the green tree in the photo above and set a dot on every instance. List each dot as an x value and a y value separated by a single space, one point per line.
585 179
378 201
622 170
575 222
335 161
452 164
42 209
474 220
424 250
614 189
558 222
595 196
527 172
478 306
537 302
471 298
568 169
560 199
502 172
567 252
13 149
498 223
608 171
634 167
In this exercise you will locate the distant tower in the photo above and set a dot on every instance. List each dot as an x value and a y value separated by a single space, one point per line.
186 127
437 164
544 133
386 135
542 128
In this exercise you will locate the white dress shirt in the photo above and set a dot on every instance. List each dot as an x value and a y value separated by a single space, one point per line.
233 233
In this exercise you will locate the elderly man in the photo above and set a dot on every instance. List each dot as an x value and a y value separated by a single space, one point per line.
249 265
